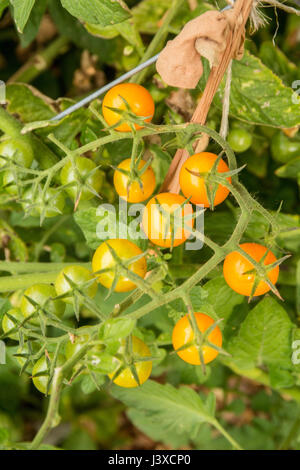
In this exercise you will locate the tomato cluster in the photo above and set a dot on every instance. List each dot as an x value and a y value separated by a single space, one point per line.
204 180
80 180
120 265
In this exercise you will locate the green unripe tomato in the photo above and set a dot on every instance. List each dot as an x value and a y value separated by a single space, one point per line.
17 150
41 293
16 297
267 131
81 174
25 350
239 140
42 366
284 149
9 183
79 275
53 199
108 192
80 340
8 324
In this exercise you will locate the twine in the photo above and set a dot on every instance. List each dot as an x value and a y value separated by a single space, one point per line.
226 104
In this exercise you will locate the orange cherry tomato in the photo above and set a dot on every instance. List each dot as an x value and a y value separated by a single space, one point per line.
134 193
194 186
183 333
156 225
235 269
103 259
138 98
126 378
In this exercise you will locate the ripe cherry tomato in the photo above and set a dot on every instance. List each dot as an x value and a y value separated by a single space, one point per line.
183 333
138 98
136 193
17 150
53 199
103 259
8 324
83 172
239 140
42 366
79 275
41 293
194 186
157 226
126 378
236 266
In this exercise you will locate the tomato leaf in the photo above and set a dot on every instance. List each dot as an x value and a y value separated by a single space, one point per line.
226 299
257 94
30 105
21 11
102 12
126 29
280 378
116 328
68 26
264 338
33 23
277 61
178 412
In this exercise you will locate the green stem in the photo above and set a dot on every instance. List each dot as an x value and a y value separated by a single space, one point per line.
41 61
158 40
59 374
52 409
184 271
229 438
12 283
18 268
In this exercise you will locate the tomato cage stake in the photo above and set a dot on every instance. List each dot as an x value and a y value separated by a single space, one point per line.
110 85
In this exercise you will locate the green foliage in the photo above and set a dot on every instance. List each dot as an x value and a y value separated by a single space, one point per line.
147 15
177 412
32 26
258 95
102 12
116 329
277 61
264 338
21 12
3 5
243 394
